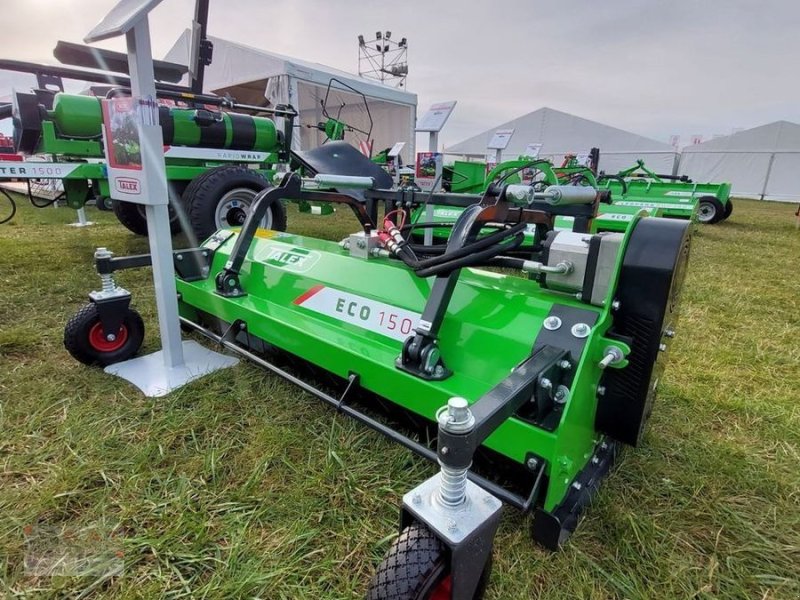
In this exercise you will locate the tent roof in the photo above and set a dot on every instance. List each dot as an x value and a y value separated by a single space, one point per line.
235 64
780 136
561 132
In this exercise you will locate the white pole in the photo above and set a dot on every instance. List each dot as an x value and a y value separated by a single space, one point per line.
143 87
433 146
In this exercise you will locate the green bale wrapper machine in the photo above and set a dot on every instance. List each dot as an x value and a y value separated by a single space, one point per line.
219 153
529 383
677 195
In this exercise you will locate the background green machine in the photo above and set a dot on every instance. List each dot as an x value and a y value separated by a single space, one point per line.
530 384
675 195
212 150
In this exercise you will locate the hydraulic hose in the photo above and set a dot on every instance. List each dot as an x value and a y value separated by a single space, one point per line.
13 207
488 241
473 259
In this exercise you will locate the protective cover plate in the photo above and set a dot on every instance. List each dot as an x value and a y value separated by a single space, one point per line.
340 158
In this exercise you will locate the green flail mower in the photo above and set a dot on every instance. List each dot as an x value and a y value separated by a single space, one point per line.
677 195
471 178
530 378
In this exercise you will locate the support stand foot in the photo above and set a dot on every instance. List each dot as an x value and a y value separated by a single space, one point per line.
155 379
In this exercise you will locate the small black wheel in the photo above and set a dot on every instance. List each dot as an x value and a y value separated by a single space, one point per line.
222 197
728 209
416 568
710 210
84 339
134 217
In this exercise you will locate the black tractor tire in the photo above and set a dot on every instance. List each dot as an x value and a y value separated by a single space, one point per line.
134 217
710 210
728 209
416 568
648 295
84 340
233 187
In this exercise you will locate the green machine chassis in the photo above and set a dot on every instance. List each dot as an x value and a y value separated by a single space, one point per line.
675 195
537 380
471 178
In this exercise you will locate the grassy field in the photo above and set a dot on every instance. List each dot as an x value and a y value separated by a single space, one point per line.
241 486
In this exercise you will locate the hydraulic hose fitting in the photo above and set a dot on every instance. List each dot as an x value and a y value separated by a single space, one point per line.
457 418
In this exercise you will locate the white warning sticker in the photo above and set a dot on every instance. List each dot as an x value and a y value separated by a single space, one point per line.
687 195
385 319
664 205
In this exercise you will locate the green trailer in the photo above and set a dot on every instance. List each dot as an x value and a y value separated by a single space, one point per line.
529 383
677 196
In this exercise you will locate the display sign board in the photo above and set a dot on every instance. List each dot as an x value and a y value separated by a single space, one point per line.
532 150
130 128
436 117
500 139
397 149
429 169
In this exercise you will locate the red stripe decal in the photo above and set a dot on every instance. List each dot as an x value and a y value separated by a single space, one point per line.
306 295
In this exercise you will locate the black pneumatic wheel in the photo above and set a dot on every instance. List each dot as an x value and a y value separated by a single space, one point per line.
710 210
222 197
134 217
84 339
648 292
416 568
728 209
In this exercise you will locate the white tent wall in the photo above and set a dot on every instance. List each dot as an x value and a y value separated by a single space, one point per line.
561 133
253 76
784 177
762 162
390 121
746 171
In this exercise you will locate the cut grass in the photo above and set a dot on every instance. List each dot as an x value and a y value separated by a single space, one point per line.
240 485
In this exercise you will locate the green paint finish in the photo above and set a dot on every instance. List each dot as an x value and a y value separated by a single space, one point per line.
678 198
490 327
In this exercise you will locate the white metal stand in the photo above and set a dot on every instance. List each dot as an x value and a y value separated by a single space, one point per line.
433 146
177 362
82 222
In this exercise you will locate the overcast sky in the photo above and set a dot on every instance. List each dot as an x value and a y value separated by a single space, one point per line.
654 67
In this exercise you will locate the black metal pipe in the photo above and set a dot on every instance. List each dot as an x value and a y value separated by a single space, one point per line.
510 498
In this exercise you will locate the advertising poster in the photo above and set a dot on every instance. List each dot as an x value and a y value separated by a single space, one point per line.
429 168
121 122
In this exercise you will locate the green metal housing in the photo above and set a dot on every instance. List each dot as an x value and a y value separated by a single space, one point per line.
490 327
675 197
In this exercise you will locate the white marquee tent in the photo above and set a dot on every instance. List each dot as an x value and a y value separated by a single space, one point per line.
561 133
763 162
262 78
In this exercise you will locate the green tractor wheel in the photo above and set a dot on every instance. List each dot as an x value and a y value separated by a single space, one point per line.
85 341
710 210
416 568
222 197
